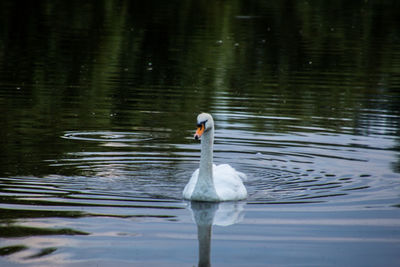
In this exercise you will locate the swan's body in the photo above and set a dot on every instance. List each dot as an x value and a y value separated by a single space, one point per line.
227 184
210 182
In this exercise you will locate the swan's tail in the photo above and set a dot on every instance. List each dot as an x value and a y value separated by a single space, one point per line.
242 176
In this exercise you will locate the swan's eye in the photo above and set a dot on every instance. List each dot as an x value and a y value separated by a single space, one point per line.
202 124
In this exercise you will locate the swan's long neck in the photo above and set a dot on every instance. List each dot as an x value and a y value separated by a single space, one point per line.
206 160
204 189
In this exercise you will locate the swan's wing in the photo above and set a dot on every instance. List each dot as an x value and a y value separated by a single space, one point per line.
228 183
189 188
242 176
226 174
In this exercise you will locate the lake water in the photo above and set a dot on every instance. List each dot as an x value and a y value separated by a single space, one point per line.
98 106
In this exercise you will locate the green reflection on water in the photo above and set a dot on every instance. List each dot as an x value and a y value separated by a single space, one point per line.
22 231
4 251
118 64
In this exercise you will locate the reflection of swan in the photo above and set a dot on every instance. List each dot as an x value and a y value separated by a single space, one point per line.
210 182
205 215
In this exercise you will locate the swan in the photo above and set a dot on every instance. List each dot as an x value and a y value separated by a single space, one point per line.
210 182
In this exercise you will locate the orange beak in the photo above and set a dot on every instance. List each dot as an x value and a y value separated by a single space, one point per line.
199 132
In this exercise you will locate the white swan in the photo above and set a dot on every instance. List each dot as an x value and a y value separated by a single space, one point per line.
210 182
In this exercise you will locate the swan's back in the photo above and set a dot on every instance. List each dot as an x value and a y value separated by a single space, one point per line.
228 183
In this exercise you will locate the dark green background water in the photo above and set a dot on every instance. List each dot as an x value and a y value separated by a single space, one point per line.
98 101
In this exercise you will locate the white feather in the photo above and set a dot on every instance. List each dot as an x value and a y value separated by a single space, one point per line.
227 182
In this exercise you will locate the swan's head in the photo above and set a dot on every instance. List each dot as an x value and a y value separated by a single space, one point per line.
205 123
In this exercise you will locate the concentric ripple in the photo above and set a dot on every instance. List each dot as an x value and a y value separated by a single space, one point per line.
104 136
280 169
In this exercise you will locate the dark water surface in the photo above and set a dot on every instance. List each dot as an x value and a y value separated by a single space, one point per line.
98 105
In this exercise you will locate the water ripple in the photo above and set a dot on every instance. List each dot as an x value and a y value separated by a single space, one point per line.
281 168
100 136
